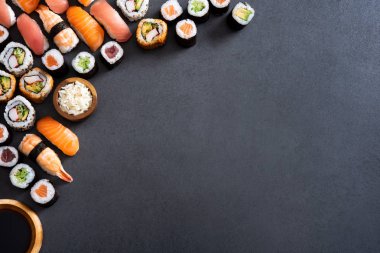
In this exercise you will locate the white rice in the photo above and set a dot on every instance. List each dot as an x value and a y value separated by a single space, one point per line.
200 13
133 15
50 192
74 98
118 56
181 34
178 9
7 53
29 177
5 133
220 5
5 35
13 161
12 15
75 62
245 6
21 125
57 56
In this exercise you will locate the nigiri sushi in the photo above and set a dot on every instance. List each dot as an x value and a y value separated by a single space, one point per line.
86 27
7 15
62 137
33 147
64 37
27 6
85 3
58 6
111 20
32 34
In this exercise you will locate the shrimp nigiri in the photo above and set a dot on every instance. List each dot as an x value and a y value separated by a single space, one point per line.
58 6
33 147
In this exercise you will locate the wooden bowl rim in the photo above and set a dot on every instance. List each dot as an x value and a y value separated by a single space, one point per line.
84 115
33 221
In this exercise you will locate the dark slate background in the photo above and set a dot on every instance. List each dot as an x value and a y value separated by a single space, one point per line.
263 140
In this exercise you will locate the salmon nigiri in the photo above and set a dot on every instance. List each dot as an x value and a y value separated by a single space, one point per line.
27 6
62 137
86 26
33 147
32 34
111 20
58 6
7 16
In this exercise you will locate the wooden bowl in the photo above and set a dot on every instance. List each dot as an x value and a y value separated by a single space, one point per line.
32 219
84 115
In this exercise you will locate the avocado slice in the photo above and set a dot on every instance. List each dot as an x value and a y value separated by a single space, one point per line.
35 87
243 13
5 83
146 28
22 112
197 6
84 62
22 175
138 4
20 55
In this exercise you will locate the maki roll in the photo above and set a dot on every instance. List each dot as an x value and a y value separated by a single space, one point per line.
133 9
171 10
151 33
43 193
20 114
8 156
22 175
7 86
55 63
36 85
240 16
111 54
198 10
4 37
186 33
5 135
85 65
219 7
16 58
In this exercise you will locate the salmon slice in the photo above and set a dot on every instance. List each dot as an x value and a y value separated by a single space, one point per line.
170 10
220 1
86 27
42 191
7 16
186 28
111 20
32 34
85 2
58 6
27 6
51 61
62 137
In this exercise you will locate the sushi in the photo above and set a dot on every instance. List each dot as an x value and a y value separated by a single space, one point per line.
63 36
4 37
111 54
85 65
55 63
85 3
186 33
8 156
32 34
151 33
5 135
7 15
27 6
62 137
36 85
7 86
20 114
86 26
58 6
22 175
111 20
171 10
43 193
16 58
240 16
198 10
219 7
33 147
133 9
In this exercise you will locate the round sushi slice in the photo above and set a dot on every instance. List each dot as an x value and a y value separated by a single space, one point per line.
240 16
4 37
5 135
171 10
16 58
111 54
186 33
219 7
85 65
133 9
151 33
36 85
55 63
43 193
20 114
22 175
198 10
7 86
8 156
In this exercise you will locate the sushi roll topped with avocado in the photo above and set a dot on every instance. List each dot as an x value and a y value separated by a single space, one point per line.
22 175
20 114
7 86
133 9
16 58
84 63
198 10
36 85
151 33
241 15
